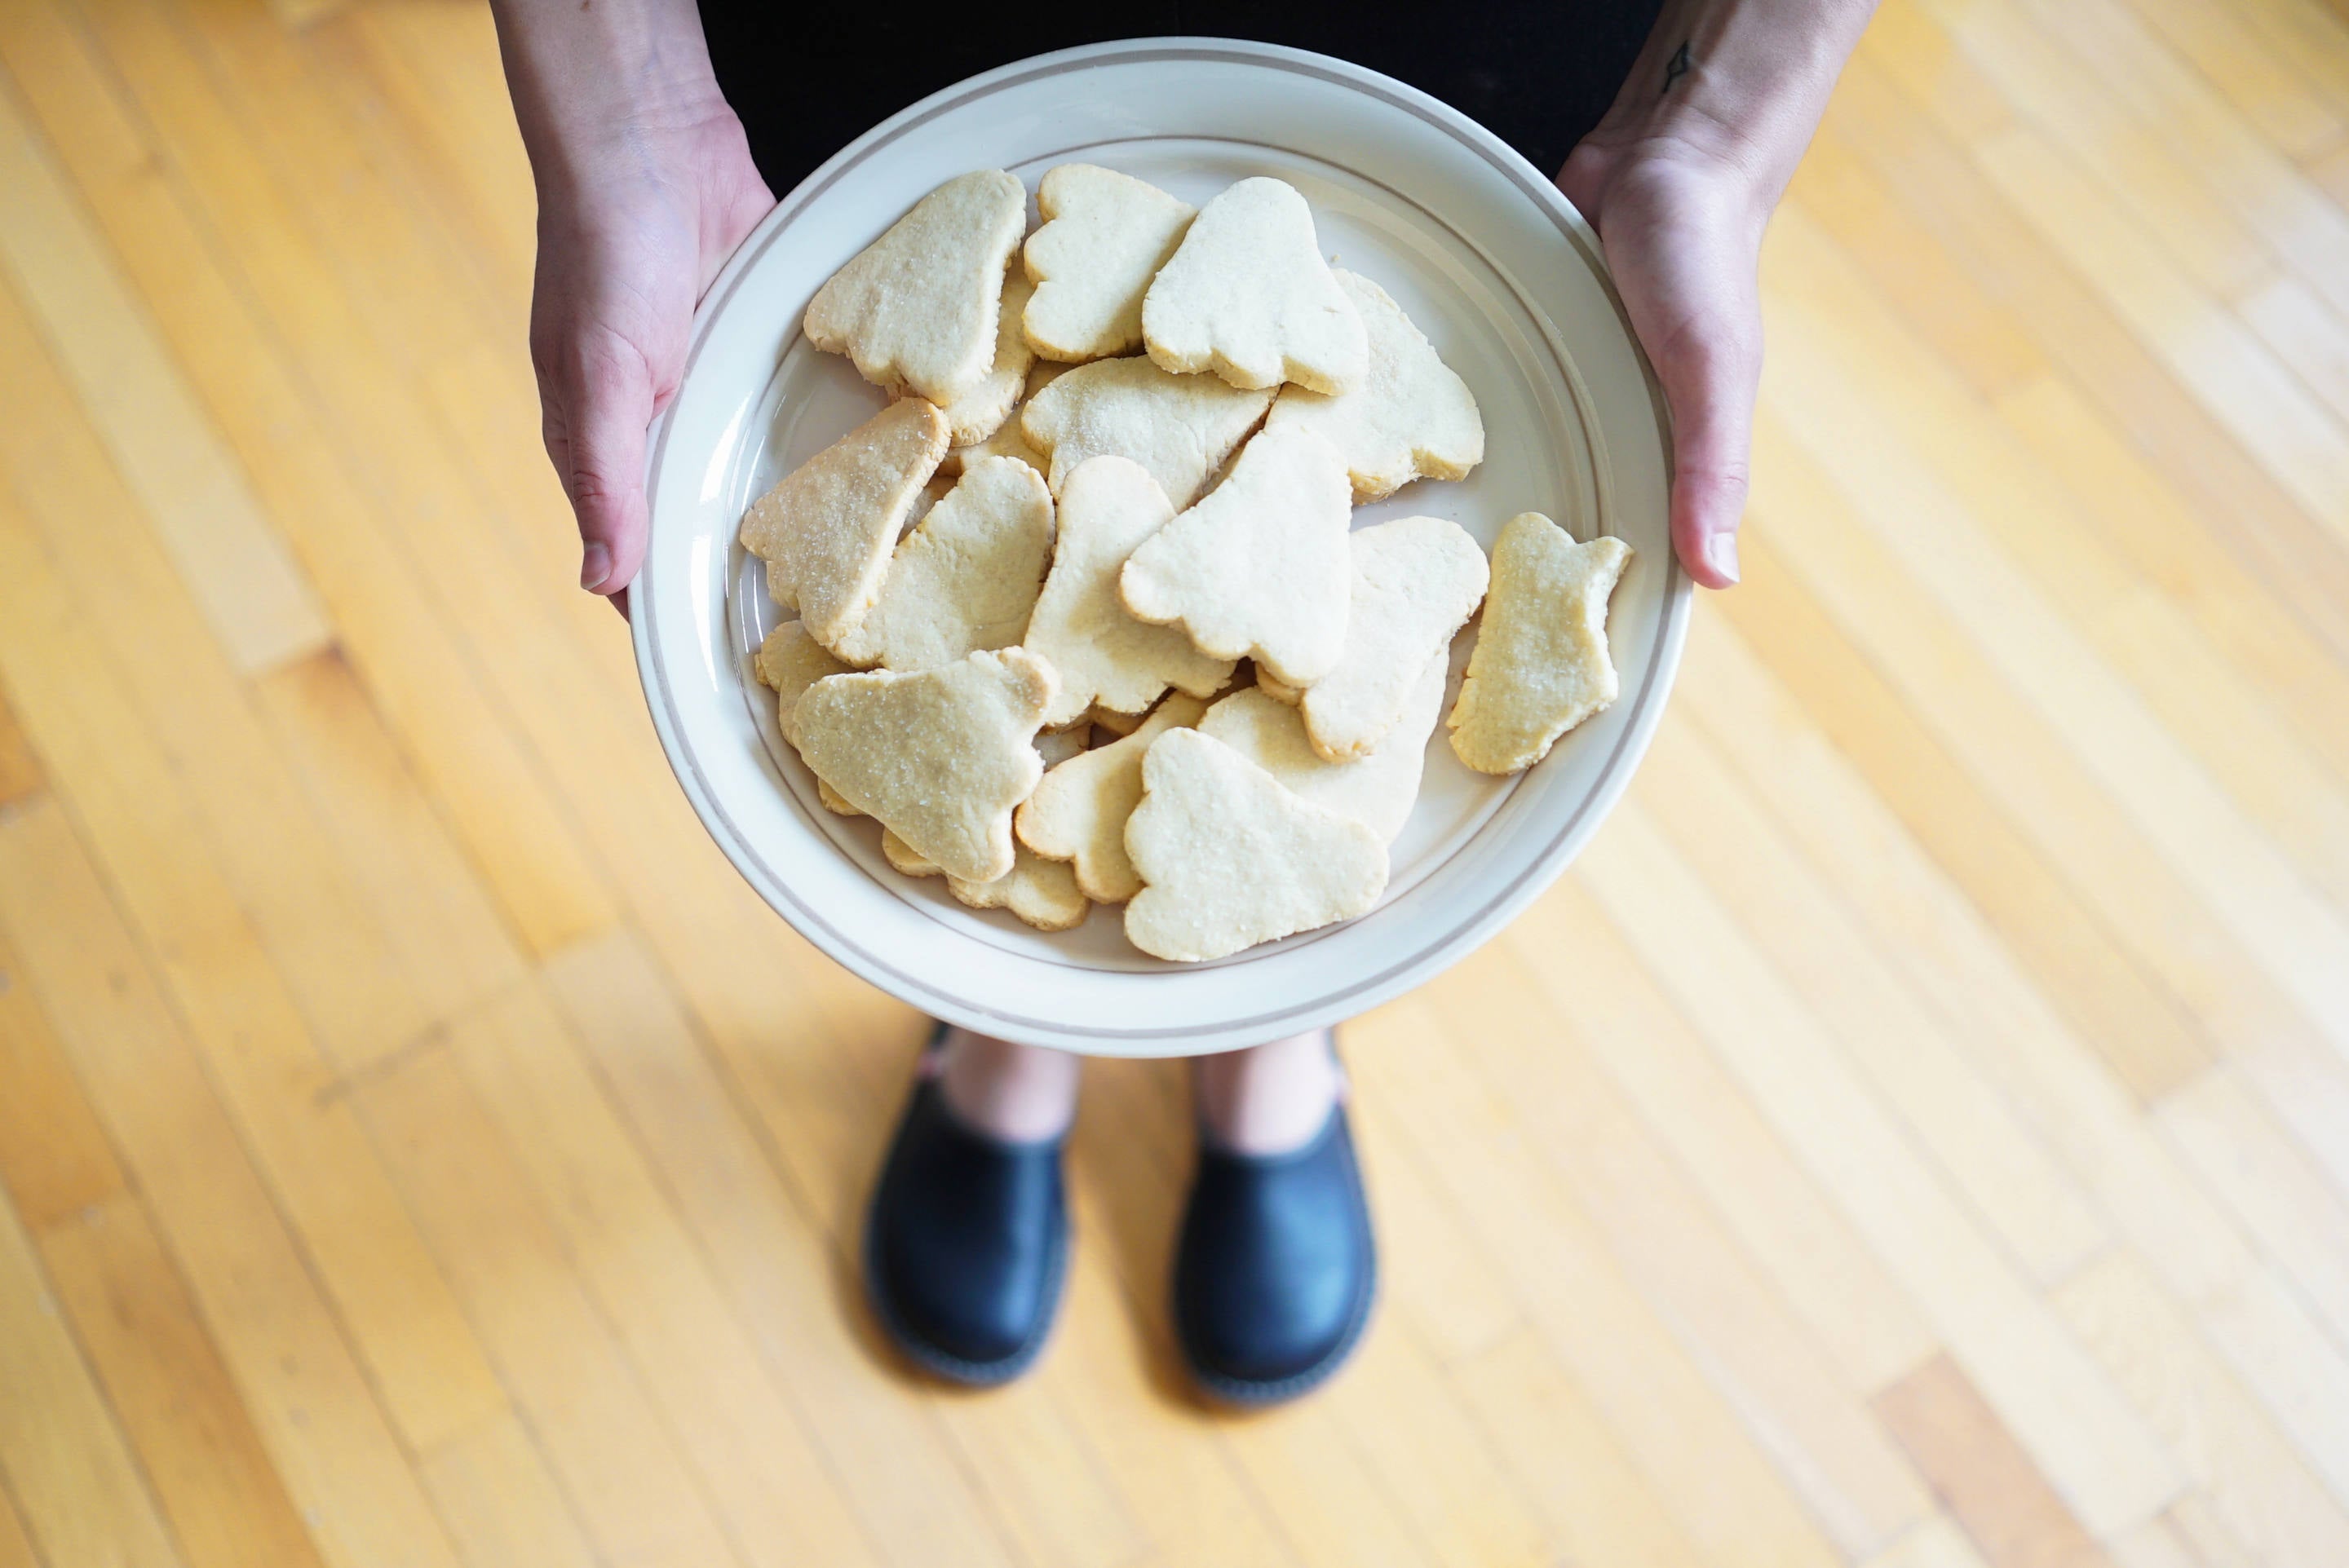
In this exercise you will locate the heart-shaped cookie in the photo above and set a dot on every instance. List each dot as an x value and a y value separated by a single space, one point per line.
1228 858
1103 238
1101 654
1078 813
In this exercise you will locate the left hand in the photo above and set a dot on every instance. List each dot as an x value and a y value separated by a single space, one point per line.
1683 231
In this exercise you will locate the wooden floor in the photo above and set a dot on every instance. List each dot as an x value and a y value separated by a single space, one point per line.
1917 1133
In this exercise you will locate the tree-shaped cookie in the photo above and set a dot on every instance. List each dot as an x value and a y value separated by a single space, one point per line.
1229 858
1258 569
1377 788
1103 238
919 305
1039 891
1101 654
1180 428
941 756
1541 664
1410 418
1078 813
826 528
1247 295
1416 581
966 577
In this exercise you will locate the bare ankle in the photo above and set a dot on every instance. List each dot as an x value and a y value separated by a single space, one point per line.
1270 1099
1020 1094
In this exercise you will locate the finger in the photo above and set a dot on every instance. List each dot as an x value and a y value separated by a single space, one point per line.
1711 393
607 406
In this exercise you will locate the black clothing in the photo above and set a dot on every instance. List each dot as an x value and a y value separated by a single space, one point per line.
807 80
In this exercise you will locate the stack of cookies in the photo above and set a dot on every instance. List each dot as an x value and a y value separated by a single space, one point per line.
1082 617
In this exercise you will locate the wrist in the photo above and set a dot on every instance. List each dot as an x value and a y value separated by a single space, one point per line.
1735 85
622 86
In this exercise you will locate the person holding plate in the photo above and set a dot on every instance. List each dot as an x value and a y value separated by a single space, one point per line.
658 132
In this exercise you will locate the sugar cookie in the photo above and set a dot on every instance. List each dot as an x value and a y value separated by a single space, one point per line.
1229 858
1103 655
1416 581
966 577
1247 295
1078 813
1258 569
1103 238
1180 428
826 529
1411 417
1540 665
941 756
981 411
1377 788
919 305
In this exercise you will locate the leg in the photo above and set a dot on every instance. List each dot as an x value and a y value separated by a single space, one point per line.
969 1231
1276 1269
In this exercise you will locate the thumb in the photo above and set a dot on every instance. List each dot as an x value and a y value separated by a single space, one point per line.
607 405
1711 390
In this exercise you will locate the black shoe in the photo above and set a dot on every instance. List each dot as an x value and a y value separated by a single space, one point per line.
966 1244
1276 1271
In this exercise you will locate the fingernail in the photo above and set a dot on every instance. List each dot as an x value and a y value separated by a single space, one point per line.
1720 551
595 565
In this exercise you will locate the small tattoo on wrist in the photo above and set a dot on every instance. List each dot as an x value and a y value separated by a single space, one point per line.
1679 65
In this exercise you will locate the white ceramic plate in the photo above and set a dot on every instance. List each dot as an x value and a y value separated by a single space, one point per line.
1495 266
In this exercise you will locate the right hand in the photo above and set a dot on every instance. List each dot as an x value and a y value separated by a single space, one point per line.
628 239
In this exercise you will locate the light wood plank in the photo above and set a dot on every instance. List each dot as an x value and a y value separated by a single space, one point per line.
412 661
16 1548
2261 1492
617 1461
300 1379
501 1505
167 1385
2019 1191
621 1232
780 1269
254 597
1811 1253
67 1466
1562 1455
238 1008
1919 515
2058 1403
2268 88
1938 1543
241 799
1684 1435
2269 1185
1989 1483
1790 1393
2292 552
430 900
20 771
54 1156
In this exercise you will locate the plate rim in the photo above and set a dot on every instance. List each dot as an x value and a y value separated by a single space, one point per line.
1421 962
